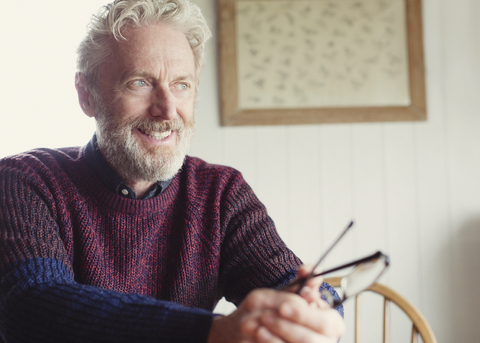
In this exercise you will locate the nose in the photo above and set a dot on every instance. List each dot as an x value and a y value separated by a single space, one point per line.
163 104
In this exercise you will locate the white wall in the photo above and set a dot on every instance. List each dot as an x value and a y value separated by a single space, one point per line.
413 188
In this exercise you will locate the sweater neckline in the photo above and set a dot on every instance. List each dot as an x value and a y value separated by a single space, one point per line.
104 196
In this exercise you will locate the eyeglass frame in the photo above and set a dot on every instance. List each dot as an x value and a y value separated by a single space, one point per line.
303 281
377 255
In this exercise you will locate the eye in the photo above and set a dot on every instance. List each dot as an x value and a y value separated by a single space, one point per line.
138 83
182 86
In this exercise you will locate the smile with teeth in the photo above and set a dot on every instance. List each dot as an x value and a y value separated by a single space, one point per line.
156 135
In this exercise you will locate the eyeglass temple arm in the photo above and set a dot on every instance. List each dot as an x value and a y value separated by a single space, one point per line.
303 281
378 254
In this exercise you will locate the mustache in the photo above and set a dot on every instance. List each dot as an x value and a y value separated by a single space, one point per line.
152 124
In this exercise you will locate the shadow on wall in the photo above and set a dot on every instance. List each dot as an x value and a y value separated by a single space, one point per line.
466 283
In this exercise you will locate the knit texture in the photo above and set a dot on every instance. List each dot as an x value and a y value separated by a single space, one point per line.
79 263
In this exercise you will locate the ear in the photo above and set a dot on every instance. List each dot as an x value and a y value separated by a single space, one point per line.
84 97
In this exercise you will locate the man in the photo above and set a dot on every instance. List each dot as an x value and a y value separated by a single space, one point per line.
129 240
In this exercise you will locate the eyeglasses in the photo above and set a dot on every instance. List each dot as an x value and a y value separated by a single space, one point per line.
366 272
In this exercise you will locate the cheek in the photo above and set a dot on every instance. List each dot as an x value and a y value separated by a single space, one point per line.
186 112
129 107
186 107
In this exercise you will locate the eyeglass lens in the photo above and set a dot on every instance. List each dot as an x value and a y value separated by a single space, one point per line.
362 277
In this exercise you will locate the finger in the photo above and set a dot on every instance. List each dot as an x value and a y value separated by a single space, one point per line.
303 272
315 282
249 325
289 331
262 299
311 295
323 305
265 336
314 298
232 328
325 321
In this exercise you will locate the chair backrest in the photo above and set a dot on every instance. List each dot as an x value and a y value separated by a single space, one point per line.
420 325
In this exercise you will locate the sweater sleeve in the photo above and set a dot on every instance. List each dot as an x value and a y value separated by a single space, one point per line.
253 254
40 300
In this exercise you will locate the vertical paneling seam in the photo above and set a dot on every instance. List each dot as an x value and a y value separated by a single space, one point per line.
256 159
416 171
447 159
288 187
223 143
353 193
385 192
321 189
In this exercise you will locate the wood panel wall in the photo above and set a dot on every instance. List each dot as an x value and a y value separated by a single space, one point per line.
412 188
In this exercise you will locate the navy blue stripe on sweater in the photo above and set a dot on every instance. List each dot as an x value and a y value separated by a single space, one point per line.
54 308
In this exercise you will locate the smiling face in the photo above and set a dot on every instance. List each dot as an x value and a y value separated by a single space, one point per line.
145 106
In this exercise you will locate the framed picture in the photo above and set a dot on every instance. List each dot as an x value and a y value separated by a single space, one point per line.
320 61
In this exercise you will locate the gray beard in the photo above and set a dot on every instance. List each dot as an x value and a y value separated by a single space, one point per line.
132 161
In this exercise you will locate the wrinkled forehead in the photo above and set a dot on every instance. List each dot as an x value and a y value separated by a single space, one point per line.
153 47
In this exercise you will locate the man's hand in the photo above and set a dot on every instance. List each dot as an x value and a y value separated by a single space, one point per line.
273 316
301 323
310 292
242 324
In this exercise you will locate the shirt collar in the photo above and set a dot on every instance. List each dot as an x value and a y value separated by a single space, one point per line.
105 173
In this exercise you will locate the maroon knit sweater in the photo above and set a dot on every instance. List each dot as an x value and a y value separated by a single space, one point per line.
79 263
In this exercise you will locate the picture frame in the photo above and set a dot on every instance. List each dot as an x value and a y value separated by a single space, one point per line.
312 74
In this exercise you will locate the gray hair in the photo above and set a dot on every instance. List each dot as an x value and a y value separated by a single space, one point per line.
109 21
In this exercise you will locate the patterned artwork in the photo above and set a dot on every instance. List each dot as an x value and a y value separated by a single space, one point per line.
322 53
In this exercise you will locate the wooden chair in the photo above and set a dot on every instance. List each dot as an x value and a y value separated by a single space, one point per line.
419 323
